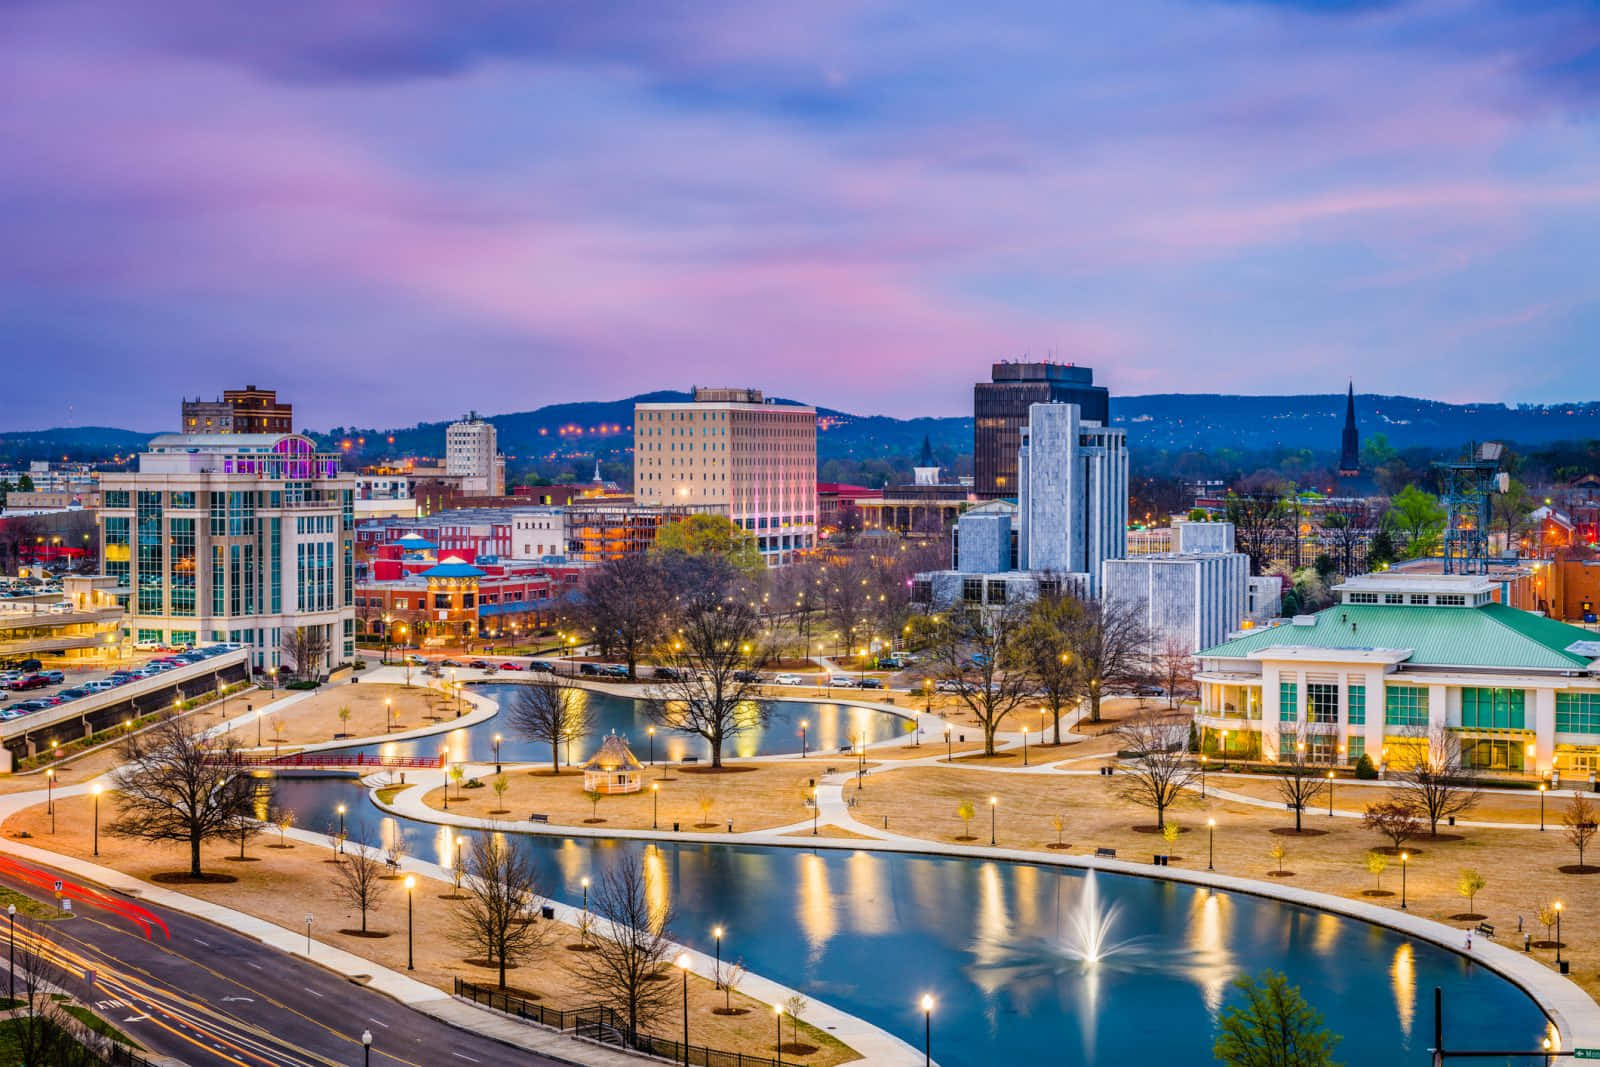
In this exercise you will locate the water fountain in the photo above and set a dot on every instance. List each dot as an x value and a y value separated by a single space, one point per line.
1088 933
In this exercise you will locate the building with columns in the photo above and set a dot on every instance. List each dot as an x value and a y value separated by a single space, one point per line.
1399 657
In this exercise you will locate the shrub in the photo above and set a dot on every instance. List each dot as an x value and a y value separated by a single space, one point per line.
1366 770
302 683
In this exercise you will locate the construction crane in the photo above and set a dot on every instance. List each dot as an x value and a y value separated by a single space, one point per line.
1466 487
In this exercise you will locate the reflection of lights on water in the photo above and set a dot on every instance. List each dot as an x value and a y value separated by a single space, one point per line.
1026 898
657 886
1213 966
993 924
870 910
816 904
1325 934
1403 976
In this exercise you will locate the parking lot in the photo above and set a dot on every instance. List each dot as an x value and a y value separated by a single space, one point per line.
75 680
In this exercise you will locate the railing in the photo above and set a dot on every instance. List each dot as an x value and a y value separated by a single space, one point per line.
121 1055
361 759
607 1027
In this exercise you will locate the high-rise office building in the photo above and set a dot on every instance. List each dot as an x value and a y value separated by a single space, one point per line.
1000 410
471 454
729 449
247 410
1072 482
234 537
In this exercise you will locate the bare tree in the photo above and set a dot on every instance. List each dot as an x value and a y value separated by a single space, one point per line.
628 956
1300 780
1394 819
1258 516
1045 645
552 711
358 879
1579 821
1110 645
626 606
175 785
1174 665
1433 784
42 1031
983 654
846 600
502 890
305 650
713 655
1157 767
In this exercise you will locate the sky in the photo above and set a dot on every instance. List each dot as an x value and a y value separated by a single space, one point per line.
396 210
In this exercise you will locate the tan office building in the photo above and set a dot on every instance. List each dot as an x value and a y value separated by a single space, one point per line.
731 450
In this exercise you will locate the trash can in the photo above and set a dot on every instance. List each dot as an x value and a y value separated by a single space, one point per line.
1566 966
674 827
1452 820
547 912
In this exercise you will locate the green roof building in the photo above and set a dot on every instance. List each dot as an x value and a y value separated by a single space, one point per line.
1406 660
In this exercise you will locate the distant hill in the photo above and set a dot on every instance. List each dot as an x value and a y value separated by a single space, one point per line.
1173 422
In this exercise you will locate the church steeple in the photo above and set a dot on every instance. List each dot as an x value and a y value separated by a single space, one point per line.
1350 443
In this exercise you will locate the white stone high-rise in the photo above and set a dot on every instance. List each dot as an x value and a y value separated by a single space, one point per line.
1072 480
472 454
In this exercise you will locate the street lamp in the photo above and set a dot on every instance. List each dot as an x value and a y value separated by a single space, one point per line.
803 725
1211 844
949 754
683 965
1558 933
927 1030
1330 794
716 932
1202 776
411 959
652 732
388 714
584 881
1405 857
655 805
992 802
341 810
1024 745
11 971
777 1018
1542 788
366 1048
497 753
816 806
95 789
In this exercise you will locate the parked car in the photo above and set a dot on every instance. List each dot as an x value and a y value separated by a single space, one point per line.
416 661
788 679
7 677
948 685
22 707
479 664
62 608
100 685
1149 691
614 670
28 681
870 683
511 666
53 677
747 676
433 671
842 681
665 674
591 669
75 692
542 667
891 663
448 663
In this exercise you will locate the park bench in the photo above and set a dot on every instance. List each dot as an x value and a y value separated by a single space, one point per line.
845 749
1486 929
538 817
1109 853
690 759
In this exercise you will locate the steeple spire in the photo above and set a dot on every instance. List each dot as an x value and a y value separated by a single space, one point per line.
1350 442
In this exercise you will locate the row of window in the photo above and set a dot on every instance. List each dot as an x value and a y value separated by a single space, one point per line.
1482 707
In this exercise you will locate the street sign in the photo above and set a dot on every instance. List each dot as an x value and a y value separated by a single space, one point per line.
58 885
1586 1053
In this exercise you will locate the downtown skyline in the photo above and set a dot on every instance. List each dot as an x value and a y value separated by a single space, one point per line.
860 206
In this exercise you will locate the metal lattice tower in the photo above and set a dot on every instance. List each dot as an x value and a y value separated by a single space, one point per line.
1465 489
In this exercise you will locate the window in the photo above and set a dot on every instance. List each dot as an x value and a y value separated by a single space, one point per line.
922 591
1322 702
1419 598
1578 713
1394 598
1288 701
997 592
1492 709
441 601
972 590
1356 705
184 569
116 498
1362 598
1452 600
1405 705
1492 754
1355 747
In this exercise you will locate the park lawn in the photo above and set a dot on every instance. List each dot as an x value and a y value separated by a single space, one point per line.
1350 796
99 1025
33 909
316 719
304 874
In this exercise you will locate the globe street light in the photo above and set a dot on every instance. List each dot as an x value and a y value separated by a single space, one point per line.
1330 794
1203 776
1542 788
388 714
366 1047
716 932
655 805
1024 745
777 1017
949 754
341 810
816 806
992 802
411 959
1558 933
1211 844
1404 859
927 1030
584 881
95 789
802 739
683 965
652 732
497 753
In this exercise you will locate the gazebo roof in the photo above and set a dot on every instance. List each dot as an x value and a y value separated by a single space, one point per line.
614 755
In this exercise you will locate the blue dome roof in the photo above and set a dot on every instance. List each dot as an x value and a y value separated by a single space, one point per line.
453 570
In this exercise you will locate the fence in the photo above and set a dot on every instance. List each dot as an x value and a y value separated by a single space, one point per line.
361 759
121 1055
606 1026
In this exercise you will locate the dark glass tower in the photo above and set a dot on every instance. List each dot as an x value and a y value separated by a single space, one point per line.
1000 410
1350 444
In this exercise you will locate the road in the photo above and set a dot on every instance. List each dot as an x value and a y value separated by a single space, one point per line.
206 996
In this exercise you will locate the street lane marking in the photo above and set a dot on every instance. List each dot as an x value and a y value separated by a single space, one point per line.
313 992
200 941
464 1056
380 1022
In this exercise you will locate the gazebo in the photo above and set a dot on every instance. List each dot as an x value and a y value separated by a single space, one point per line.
613 769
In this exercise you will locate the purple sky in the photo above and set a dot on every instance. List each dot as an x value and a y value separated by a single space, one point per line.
393 211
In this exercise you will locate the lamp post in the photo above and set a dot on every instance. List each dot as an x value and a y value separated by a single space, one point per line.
1330 794
816 806
777 1019
366 1048
95 789
11 971
341 810
949 753
927 1030
1405 858
1203 762
584 881
655 805
309 918
1224 745
716 975
803 725
50 790
652 732
388 714
458 691
1024 745
497 753
1558 933
1542 788
1211 844
683 965
992 802
411 959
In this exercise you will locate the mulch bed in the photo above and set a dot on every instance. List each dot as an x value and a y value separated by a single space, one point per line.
797 1048
1054 845
1289 831
580 948
590 821
1280 874
966 837
730 1011
1376 893
726 768
371 934
1390 850
1467 916
1549 944
242 859
491 965
280 846
1579 868
1157 829
453 896
185 878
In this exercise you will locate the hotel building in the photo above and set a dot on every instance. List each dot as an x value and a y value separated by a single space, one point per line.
730 450
233 537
